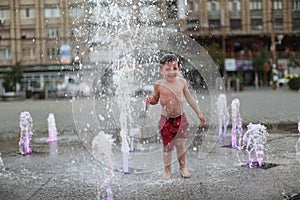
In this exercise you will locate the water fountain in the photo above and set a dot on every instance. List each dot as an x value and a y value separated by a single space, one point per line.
52 130
237 128
223 116
253 143
126 56
2 168
134 135
102 149
25 133
298 149
299 128
297 146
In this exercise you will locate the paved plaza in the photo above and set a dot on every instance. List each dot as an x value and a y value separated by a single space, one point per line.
66 170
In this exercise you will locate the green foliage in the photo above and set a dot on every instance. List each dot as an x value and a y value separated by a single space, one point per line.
294 83
217 55
259 61
294 61
12 77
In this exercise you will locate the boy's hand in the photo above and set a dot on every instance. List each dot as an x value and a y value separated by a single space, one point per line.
202 119
148 100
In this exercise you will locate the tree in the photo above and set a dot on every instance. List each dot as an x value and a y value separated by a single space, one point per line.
217 55
259 62
12 77
294 61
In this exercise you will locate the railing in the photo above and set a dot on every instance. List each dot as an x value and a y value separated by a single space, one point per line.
256 13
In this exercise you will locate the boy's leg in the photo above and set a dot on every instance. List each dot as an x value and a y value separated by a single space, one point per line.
179 144
167 162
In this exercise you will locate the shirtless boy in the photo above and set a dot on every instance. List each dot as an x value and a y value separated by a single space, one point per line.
173 123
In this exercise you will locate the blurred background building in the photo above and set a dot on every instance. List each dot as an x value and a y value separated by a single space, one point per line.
51 37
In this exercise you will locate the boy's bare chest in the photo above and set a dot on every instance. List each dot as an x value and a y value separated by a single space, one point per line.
169 91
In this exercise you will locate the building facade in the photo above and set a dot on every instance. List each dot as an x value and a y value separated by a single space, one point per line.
245 24
243 28
39 33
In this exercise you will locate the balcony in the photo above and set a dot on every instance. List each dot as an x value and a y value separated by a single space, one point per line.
27 2
51 1
28 21
255 13
277 13
257 28
235 14
296 13
192 14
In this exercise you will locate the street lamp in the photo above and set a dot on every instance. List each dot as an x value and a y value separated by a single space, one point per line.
274 58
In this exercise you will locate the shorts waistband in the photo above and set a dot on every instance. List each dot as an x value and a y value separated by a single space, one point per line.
171 117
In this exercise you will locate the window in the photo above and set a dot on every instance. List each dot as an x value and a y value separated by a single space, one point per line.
278 23
5 54
213 6
52 53
76 12
255 4
27 13
277 4
28 53
192 6
295 24
214 24
235 24
256 24
52 12
296 5
235 5
4 14
52 32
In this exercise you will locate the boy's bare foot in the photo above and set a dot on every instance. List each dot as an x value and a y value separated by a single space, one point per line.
185 174
167 176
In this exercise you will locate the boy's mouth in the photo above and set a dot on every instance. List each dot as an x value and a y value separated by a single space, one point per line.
171 75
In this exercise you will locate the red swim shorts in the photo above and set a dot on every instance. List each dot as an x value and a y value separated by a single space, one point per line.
172 128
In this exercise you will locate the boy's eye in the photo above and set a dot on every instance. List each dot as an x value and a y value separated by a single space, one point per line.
172 68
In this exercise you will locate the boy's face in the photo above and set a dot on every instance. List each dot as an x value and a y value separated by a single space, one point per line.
170 70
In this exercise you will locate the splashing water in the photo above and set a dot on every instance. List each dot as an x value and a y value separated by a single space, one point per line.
298 149
123 98
223 115
102 149
125 58
109 193
237 128
254 141
2 168
125 150
52 130
122 109
26 124
299 128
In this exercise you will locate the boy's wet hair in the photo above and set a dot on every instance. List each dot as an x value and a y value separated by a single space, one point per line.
168 58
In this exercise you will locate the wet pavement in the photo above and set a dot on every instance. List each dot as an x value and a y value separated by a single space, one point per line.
66 170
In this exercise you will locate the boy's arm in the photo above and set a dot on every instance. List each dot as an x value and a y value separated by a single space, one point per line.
155 97
193 103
